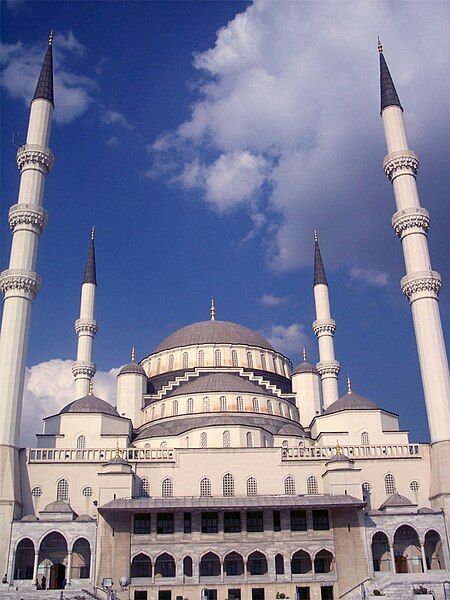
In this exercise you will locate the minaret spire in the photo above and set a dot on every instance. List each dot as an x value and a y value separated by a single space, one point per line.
324 327
421 286
213 310
20 284
86 326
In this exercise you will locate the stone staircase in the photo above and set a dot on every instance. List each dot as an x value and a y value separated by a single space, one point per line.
400 587
27 594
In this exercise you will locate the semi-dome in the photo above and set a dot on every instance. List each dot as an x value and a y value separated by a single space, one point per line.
214 332
90 404
396 500
350 401
219 382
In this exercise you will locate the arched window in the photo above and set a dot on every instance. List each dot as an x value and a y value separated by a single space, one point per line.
165 566
365 439
414 486
323 562
234 358
280 409
36 492
274 363
81 442
252 487
380 552
201 358
217 358
434 551
366 488
187 566
250 359
153 413
312 487
389 484
240 403
185 359
147 445
87 492
158 365
289 485
263 362
249 439
204 440
24 556
223 403
144 488
284 444
141 566
167 487
205 487
301 563
255 404
206 404
163 445
228 485
270 407
175 407
226 439
186 441
163 410
62 490
190 405
170 364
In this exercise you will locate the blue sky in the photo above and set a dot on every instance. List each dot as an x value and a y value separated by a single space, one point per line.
206 140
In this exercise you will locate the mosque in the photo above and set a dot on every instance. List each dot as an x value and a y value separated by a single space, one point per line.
224 472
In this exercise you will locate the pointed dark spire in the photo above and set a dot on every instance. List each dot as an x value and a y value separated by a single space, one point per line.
319 271
44 87
389 95
90 274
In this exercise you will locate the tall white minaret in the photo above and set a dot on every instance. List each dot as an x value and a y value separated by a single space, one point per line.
420 285
324 327
86 326
20 284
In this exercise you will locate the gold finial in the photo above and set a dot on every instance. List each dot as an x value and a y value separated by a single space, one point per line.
117 450
304 355
380 47
50 39
91 387
92 232
213 310
316 237
338 448
349 385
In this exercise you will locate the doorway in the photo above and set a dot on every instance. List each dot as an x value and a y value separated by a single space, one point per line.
57 577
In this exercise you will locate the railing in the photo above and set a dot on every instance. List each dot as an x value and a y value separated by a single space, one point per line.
380 451
101 455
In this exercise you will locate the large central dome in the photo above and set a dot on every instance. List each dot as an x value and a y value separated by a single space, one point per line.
213 332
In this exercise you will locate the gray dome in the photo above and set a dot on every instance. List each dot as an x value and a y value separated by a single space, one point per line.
304 367
396 500
340 458
132 367
90 404
350 401
84 518
214 332
219 382
58 506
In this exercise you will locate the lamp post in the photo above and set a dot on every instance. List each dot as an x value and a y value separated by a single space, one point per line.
108 586
446 585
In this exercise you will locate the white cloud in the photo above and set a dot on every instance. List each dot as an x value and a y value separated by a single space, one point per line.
271 300
113 141
112 117
369 276
287 340
287 123
49 386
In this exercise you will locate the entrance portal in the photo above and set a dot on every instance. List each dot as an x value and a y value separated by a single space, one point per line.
57 577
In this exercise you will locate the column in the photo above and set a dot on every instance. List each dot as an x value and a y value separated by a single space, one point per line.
424 558
35 566
69 568
391 551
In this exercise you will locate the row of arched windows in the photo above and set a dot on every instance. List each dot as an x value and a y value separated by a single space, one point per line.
390 485
62 491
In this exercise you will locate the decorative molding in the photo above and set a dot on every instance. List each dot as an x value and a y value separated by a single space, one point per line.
411 220
421 284
20 282
28 216
35 156
324 327
328 367
86 370
402 162
86 326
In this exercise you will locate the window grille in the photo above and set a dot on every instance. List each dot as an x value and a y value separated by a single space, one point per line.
185 360
289 485
87 492
170 365
142 523
175 407
164 525
240 403
81 442
205 487
190 405
270 407
263 362
414 486
226 439
167 488
321 521
217 358
144 488
252 487
223 403
366 488
36 492
62 490
365 439
298 520
204 440
201 358
228 485
389 484
312 487
250 359
255 403
206 404
234 358
249 439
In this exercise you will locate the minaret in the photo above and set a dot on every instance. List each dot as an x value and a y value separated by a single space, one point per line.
324 327
420 285
20 284
86 326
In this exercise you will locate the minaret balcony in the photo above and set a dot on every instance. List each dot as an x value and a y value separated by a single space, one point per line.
401 162
28 217
324 327
421 284
411 220
20 283
34 156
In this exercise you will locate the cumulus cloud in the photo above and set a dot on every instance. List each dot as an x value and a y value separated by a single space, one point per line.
113 117
48 387
287 340
272 300
113 141
21 67
286 121
369 276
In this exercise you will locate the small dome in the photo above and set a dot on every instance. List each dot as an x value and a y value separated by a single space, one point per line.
396 500
132 367
58 506
350 401
84 518
90 404
425 510
117 460
304 367
29 518
214 332
340 458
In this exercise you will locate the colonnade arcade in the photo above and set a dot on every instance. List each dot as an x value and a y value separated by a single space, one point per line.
52 562
231 565
406 552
